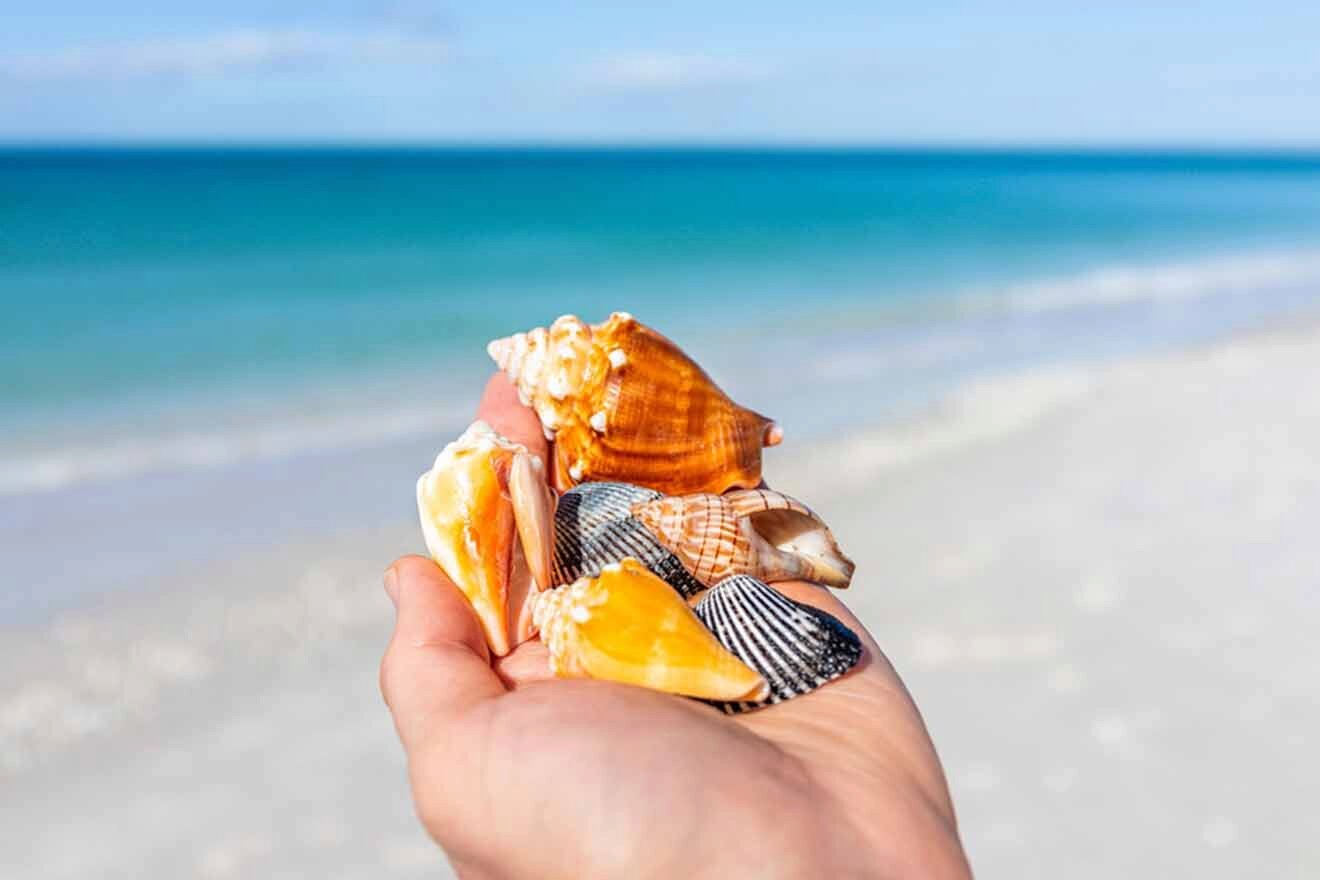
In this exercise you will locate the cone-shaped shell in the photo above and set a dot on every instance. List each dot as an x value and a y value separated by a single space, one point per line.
594 527
796 647
471 517
752 531
624 403
629 626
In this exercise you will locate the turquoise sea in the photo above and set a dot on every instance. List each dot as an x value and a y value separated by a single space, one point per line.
199 324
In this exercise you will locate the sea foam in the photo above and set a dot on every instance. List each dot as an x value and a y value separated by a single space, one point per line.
57 469
1160 283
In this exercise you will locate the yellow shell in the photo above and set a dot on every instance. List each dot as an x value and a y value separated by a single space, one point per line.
624 403
481 493
757 532
627 625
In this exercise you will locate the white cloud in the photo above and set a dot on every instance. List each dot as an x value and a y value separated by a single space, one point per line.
233 51
671 71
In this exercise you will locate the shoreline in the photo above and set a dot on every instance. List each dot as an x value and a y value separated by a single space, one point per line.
152 432
981 410
286 495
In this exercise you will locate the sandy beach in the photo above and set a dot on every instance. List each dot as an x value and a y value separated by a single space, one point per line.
1100 585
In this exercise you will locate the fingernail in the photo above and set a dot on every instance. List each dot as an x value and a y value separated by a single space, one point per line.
392 586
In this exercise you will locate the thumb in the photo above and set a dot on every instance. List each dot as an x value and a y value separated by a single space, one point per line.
436 667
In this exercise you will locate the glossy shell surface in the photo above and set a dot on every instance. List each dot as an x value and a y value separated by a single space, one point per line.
628 626
624 403
467 512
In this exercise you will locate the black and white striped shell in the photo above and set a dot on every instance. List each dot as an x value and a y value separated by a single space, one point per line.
796 647
594 527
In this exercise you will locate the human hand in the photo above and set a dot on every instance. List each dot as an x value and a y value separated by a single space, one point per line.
517 774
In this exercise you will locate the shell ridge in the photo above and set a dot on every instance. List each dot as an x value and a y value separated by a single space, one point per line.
731 628
671 569
595 527
796 647
792 662
568 539
632 541
739 639
717 621
727 536
748 502
747 645
771 630
819 642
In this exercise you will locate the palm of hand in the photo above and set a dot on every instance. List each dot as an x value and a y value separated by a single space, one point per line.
517 774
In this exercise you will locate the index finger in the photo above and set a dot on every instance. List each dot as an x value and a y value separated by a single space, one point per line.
502 410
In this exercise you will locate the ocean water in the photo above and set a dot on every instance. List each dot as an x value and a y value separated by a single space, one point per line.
188 323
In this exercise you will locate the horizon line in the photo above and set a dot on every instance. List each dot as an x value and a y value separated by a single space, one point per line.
1170 148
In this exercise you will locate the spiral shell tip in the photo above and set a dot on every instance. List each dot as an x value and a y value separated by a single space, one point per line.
499 351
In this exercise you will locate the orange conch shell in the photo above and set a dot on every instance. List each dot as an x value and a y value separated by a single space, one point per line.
482 492
752 531
627 625
624 403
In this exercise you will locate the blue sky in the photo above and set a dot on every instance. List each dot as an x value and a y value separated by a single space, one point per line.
1212 73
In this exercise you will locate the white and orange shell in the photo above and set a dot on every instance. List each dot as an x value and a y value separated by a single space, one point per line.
482 504
755 532
622 402
628 626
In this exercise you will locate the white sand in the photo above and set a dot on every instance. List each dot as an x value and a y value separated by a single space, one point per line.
1101 586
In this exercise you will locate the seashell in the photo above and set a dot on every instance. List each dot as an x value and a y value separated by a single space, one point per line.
534 511
482 492
751 531
796 647
628 626
594 527
694 541
624 403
